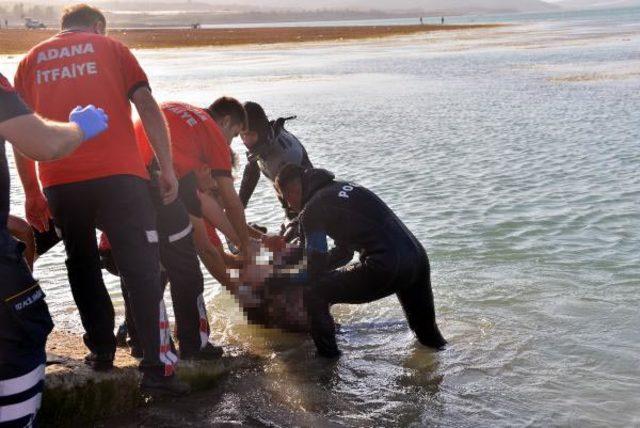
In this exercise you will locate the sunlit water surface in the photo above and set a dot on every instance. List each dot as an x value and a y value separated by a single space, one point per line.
513 154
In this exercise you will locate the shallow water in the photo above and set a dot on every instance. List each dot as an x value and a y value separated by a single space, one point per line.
513 155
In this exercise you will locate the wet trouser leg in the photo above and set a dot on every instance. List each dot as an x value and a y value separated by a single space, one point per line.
74 207
180 260
24 325
128 218
363 283
416 299
355 283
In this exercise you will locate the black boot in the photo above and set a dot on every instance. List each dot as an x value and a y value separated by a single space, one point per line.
99 362
153 383
208 353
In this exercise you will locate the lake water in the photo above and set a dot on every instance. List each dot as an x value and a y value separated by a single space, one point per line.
514 156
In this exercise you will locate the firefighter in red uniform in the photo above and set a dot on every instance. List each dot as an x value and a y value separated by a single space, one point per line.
103 183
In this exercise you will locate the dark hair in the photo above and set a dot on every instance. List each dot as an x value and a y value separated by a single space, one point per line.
81 15
227 106
289 173
257 120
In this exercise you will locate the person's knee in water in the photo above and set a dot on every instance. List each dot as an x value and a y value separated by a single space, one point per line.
391 258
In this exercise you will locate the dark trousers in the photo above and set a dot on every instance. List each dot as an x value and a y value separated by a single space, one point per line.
121 205
182 268
370 280
24 326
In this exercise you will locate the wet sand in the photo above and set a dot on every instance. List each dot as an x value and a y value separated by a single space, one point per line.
19 41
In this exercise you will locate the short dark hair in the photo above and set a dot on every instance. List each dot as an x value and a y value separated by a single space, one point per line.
227 106
81 15
257 119
289 173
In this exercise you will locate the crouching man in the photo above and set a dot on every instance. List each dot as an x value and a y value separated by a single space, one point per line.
391 258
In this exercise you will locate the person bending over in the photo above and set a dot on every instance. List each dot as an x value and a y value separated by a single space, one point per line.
270 147
200 139
392 261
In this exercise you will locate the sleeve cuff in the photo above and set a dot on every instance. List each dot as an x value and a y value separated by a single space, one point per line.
135 87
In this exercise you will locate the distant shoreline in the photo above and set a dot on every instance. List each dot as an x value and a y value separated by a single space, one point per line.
17 41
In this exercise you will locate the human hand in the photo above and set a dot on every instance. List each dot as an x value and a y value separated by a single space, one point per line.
168 186
92 121
274 243
37 211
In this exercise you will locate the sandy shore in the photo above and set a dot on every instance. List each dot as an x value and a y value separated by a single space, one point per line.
14 41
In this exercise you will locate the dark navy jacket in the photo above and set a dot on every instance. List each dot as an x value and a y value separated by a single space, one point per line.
357 220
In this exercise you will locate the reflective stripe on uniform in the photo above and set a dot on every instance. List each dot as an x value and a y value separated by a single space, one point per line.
167 357
152 236
20 410
178 236
22 383
204 322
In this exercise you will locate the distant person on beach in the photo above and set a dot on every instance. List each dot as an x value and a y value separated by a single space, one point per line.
270 146
421 21
25 322
442 20
392 261
103 183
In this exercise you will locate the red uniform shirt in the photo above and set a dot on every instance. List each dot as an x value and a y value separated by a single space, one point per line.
196 140
79 68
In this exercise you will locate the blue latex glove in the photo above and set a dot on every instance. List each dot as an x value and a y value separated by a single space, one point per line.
91 120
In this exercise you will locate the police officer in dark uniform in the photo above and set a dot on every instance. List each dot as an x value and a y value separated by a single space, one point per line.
24 317
392 261
270 147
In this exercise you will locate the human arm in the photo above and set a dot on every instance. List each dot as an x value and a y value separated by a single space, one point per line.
40 139
315 240
235 213
250 178
210 255
216 216
157 132
35 204
21 230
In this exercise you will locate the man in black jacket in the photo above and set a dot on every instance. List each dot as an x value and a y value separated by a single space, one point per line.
391 258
